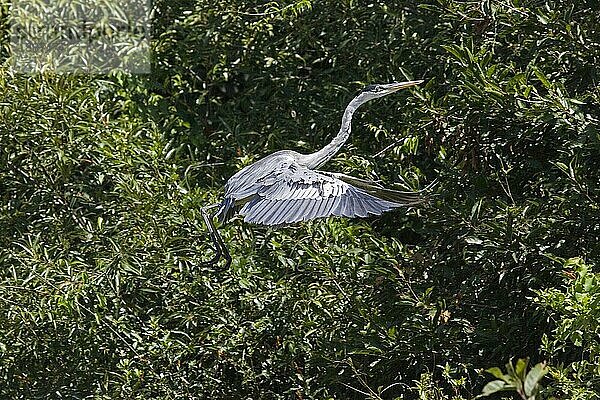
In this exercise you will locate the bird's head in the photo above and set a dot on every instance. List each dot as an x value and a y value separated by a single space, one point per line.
379 90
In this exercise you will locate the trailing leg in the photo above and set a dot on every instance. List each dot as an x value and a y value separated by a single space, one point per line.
219 245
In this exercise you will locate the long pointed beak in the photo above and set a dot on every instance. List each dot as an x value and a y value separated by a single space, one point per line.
392 87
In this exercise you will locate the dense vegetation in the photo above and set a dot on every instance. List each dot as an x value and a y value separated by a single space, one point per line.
102 292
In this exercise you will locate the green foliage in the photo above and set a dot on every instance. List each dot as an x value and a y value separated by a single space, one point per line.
574 345
101 290
526 384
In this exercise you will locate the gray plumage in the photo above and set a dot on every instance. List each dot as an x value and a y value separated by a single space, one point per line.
285 187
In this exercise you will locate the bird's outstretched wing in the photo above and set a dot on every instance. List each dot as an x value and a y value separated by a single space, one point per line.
296 193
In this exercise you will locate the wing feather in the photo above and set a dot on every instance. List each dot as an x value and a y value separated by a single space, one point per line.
318 207
254 204
281 212
281 191
272 213
374 207
263 207
351 206
325 207
260 215
298 211
359 208
368 205
310 211
340 206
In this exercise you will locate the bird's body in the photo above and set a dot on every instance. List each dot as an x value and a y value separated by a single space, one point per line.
285 187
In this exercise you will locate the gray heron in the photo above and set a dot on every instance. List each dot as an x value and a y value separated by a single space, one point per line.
286 187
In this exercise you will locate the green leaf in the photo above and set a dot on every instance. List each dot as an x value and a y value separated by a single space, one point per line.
454 50
497 372
510 369
496 386
521 367
562 166
542 78
533 377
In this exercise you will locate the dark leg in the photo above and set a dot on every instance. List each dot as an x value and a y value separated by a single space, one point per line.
220 248
209 225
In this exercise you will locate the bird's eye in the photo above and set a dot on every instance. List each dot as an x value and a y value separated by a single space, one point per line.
372 89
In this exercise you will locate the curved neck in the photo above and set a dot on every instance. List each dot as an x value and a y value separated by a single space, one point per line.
318 158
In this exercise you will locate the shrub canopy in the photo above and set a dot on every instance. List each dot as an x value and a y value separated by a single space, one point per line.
102 291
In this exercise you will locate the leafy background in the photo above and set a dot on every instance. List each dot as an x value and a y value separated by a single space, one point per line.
102 291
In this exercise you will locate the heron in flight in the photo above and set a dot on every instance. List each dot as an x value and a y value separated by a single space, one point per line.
286 187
